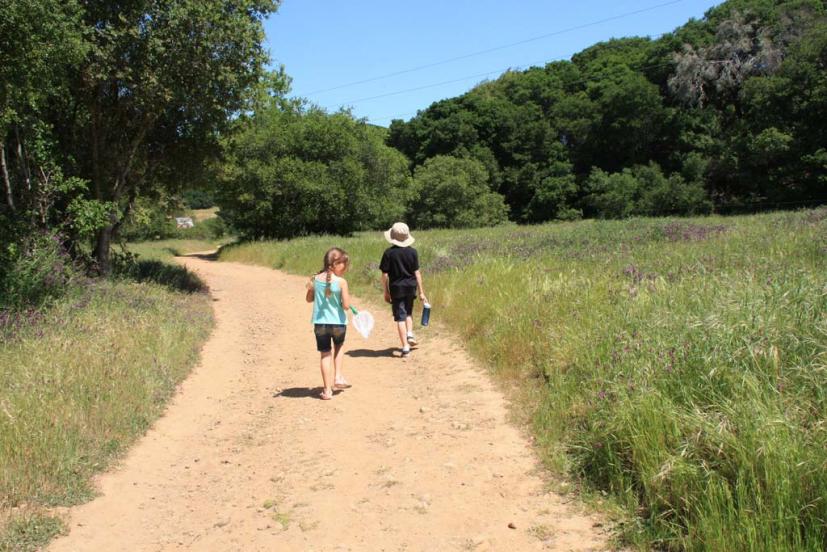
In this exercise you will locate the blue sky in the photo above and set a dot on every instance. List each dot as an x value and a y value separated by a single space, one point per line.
326 45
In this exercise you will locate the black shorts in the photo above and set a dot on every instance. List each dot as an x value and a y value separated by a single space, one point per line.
325 333
402 307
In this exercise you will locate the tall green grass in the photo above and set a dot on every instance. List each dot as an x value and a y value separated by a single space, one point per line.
82 378
678 364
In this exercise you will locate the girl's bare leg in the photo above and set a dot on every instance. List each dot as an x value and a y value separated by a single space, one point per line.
327 372
338 364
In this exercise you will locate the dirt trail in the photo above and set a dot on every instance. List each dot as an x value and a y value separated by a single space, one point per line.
417 455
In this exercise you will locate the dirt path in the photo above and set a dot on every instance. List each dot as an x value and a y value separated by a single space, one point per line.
416 456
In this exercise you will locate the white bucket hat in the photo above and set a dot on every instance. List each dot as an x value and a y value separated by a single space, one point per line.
399 234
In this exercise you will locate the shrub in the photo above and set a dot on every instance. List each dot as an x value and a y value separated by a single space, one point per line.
292 173
36 269
198 199
453 193
148 220
644 191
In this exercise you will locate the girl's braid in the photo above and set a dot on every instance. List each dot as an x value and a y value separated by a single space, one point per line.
329 259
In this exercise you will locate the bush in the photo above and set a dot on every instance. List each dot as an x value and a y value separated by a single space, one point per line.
453 193
36 269
198 199
148 221
292 173
644 191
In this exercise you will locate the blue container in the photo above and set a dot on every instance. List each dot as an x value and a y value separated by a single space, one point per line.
426 313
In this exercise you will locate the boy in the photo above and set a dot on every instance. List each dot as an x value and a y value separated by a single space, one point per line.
400 280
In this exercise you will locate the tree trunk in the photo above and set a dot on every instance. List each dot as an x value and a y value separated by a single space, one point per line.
103 243
23 162
6 181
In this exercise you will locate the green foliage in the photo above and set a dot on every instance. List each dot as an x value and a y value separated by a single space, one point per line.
645 191
199 199
676 365
454 193
292 172
126 97
35 270
742 89
150 219
29 533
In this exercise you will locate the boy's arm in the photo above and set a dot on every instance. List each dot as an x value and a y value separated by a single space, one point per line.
419 284
385 287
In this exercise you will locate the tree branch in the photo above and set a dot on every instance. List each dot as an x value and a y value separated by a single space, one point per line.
121 180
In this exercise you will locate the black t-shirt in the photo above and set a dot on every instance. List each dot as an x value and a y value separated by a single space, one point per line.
400 263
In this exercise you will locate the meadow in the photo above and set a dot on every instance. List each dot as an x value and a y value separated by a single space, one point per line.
82 378
676 365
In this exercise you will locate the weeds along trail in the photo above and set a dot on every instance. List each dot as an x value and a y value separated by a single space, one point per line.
418 455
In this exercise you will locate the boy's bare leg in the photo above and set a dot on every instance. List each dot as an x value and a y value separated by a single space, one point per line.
403 333
408 327
327 372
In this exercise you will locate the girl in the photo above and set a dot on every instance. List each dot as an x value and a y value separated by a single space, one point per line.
330 296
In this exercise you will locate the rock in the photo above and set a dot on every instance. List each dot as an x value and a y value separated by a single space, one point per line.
511 525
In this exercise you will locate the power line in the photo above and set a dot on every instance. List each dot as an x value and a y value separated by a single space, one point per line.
573 81
496 48
418 88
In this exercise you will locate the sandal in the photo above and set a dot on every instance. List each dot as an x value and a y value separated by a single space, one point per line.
325 396
344 384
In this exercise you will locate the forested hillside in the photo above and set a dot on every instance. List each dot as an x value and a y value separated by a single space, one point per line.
725 113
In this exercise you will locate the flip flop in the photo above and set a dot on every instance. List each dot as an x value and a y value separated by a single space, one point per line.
342 385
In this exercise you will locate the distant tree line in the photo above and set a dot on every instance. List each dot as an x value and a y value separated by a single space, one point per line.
108 111
725 113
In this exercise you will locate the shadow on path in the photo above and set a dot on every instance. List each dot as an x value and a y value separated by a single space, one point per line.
203 255
371 353
302 393
165 274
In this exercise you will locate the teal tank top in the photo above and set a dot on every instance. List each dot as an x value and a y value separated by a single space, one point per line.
328 310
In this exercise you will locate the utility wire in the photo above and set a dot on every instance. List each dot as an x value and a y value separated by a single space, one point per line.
496 48
349 102
568 82
574 81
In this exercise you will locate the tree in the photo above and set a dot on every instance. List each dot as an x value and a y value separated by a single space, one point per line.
42 41
160 82
292 171
716 72
450 192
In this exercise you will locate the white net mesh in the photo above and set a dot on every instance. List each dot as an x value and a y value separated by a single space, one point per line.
363 322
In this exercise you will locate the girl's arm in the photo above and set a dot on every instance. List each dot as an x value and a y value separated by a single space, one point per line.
345 294
309 287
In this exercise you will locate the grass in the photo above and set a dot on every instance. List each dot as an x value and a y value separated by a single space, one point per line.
165 250
677 364
66 411
29 532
